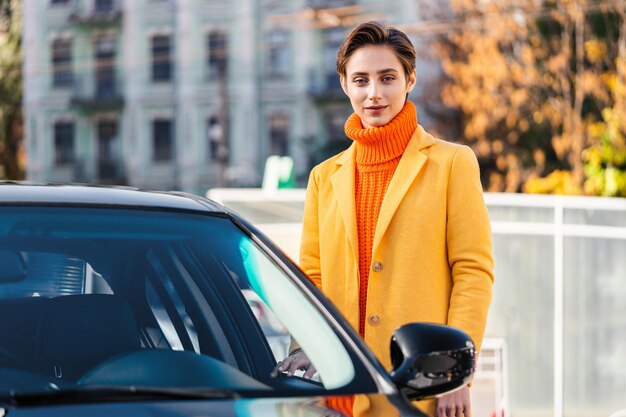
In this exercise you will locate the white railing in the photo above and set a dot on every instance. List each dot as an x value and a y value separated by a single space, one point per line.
535 231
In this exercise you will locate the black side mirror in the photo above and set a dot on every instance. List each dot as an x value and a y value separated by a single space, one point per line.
431 359
12 266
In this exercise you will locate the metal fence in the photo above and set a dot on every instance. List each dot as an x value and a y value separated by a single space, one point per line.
560 302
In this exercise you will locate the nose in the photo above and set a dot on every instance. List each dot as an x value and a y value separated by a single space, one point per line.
373 92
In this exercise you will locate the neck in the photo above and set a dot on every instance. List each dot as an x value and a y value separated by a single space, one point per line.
376 145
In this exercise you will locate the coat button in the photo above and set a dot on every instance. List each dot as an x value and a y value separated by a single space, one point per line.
377 267
373 319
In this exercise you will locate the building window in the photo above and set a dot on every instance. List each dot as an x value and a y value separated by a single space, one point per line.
161 58
217 144
335 119
279 54
104 48
329 4
333 38
217 53
62 74
162 134
104 5
279 134
63 143
108 153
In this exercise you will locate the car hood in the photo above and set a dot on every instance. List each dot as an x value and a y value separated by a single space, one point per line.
266 407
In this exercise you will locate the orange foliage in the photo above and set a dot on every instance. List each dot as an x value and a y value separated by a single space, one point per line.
522 74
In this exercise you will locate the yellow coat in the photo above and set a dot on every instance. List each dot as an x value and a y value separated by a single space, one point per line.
431 256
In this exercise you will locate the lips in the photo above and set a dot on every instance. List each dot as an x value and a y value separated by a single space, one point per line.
375 109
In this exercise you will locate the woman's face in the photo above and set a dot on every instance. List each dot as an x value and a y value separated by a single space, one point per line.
376 84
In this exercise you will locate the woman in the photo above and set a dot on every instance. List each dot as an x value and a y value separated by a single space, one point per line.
395 228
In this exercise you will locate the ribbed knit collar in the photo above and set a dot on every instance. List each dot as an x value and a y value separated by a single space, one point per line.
377 145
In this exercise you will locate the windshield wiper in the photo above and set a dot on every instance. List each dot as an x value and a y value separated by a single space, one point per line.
115 393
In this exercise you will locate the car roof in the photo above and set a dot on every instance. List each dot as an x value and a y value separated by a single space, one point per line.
25 193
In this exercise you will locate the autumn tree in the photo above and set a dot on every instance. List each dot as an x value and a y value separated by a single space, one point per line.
529 78
11 127
605 159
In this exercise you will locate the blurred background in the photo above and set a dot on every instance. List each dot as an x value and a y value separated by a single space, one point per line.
240 99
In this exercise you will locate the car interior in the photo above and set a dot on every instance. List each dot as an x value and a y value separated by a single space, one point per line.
62 312
122 303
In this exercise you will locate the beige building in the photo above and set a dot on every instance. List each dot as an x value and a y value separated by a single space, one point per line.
185 94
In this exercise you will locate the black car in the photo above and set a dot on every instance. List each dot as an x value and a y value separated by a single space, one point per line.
116 301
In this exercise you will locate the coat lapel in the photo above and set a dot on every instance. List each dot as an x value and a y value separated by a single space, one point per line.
410 165
343 181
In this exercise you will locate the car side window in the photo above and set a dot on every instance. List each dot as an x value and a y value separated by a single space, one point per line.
232 265
284 314
275 332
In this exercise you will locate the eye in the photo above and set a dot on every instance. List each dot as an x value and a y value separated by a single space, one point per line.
388 78
360 81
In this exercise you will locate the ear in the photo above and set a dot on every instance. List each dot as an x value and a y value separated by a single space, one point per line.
344 87
410 85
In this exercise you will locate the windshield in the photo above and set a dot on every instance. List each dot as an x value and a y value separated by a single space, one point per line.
115 298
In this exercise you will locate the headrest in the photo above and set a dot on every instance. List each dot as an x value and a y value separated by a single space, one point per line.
79 331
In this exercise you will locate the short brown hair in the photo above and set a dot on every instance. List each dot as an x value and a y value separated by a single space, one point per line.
375 33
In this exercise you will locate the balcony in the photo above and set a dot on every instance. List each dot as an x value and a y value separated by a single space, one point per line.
99 13
326 88
102 92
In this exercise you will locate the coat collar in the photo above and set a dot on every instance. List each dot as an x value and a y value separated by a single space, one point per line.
343 181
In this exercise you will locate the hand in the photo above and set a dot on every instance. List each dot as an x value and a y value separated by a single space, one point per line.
293 362
455 404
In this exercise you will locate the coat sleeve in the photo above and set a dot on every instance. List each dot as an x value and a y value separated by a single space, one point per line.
310 240
469 247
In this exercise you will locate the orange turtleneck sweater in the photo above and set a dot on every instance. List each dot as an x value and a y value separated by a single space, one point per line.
378 152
